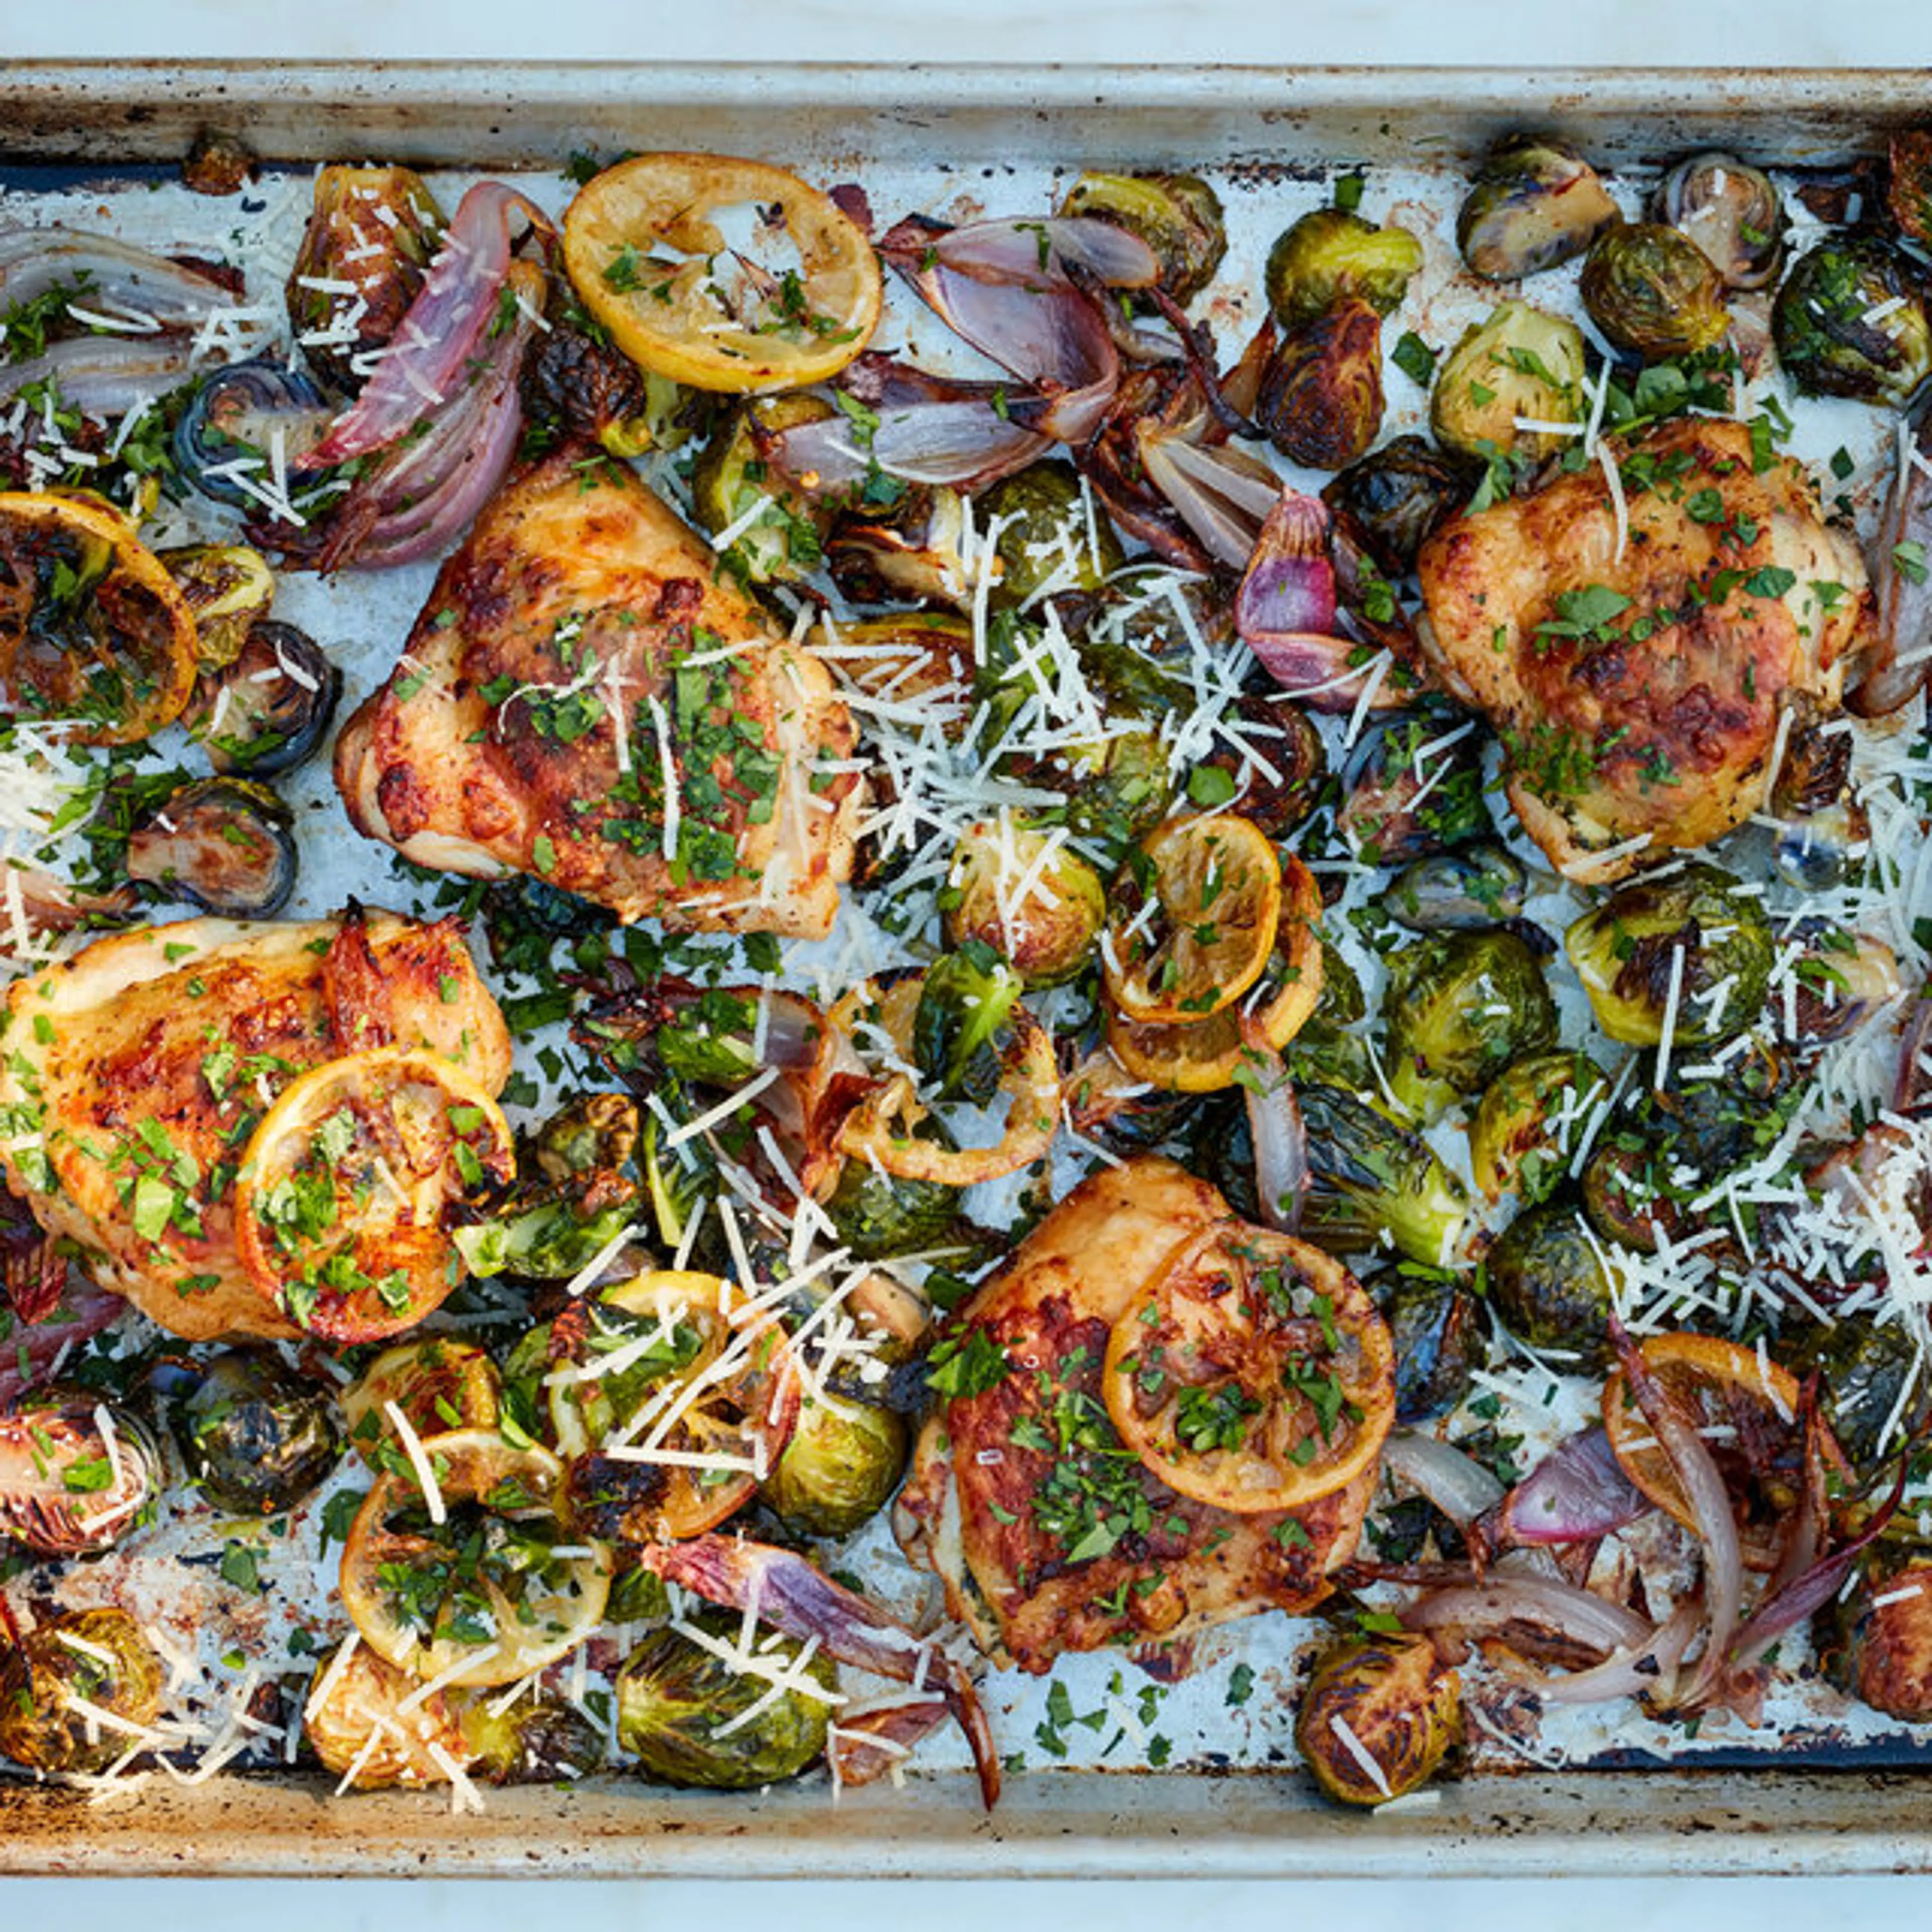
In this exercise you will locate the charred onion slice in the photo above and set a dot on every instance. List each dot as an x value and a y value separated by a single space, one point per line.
1253 1374
1203 1057
92 627
347 1186
653 268
473 1578
694 1409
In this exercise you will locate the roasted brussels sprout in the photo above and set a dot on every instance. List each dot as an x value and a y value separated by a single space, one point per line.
1331 1047
1653 292
1628 1194
1377 1718
1370 1180
218 164
1330 256
1851 320
227 845
1321 399
1534 203
1909 190
1689 944
1179 216
965 1002
537 1740
683 1710
1116 787
1459 1007
911 550
1842 979
1042 909
1733 212
877 1215
1047 541
840 1468
376 229
355 1720
1133 642
1717 1112
1520 361
580 385
1822 825
1414 788
1473 887
268 710
1435 1324
1275 761
256 1438
1394 500
62 1673
438 1383
229 587
1530 1119
784 539
77 1474
1877 1644
1547 1281
1871 1380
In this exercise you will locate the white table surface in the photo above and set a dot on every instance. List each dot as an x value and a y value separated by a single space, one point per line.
1785 33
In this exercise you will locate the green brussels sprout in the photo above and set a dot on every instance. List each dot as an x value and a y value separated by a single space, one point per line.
679 1179
1459 1007
682 1711
1534 204
1520 361
1714 1117
1330 255
377 228
1369 1180
1435 1325
1628 1195
1653 291
1461 891
1868 1367
1851 320
228 587
877 1215
1117 788
786 540
576 383
965 1002
257 1439
1048 932
1394 500
1733 212
1387 1699
909 549
1908 188
1530 1119
99 1656
1547 1281
1693 927
540 1739
438 1383
1321 397
1048 542
1179 216
1132 644
1875 1644
840 1468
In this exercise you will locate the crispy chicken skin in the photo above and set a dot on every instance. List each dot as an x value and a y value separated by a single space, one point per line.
968 1510
492 747
154 1053
1660 721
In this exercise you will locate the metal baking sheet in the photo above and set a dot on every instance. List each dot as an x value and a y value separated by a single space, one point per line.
989 125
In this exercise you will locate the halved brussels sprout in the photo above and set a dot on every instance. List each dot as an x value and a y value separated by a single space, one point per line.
1434 1323
1378 1716
269 708
1330 255
1851 320
66 1669
1179 216
1716 1113
1733 212
1117 788
1042 909
1275 760
1459 1007
1691 929
912 550
965 1000
576 383
1133 643
1414 788
685 1712
1628 1195
538 1740
229 587
1369 1180
1530 1119
784 539
257 1439
1520 362
438 1383
1547 1281
840 1468
77 1474
1048 540
1461 891
1534 203
236 420
877 1215
1653 291
1394 500
1872 1381
1321 399
227 845
1822 825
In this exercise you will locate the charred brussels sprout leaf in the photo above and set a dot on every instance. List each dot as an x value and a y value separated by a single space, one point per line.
1047 543
682 1711
1733 212
1438 1337
1047 932
537 1740
229 587
1459 1007
1369 1178
1388 1700
781 531
1531 1116
1331 255
839 1469
1534 204
109 1664
1394 500
877 1215
1179 216
1693 928
963 1003
1473 887
1521 362
1851 320
1653 292
1548 1283
257 1439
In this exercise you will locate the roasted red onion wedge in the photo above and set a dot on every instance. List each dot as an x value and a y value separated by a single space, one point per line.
83 1311
1646 1669
1457 1484
1504 1599
864 1745
1577 1493
105 376
1275 1125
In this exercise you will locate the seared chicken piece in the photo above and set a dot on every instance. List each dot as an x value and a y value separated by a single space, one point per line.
132 1075
583 699
1638 695
988 1471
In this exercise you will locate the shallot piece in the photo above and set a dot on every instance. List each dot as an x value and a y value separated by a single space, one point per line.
1275 1127
1646 1668
863 1747
793 1596
1902 583
1456 1484
113 279
105 376
1487 1609
1577 1493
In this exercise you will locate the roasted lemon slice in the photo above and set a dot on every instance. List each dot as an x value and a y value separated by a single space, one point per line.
92 627
342 1207
1204 1055
464 1570
1253 1373
651 264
